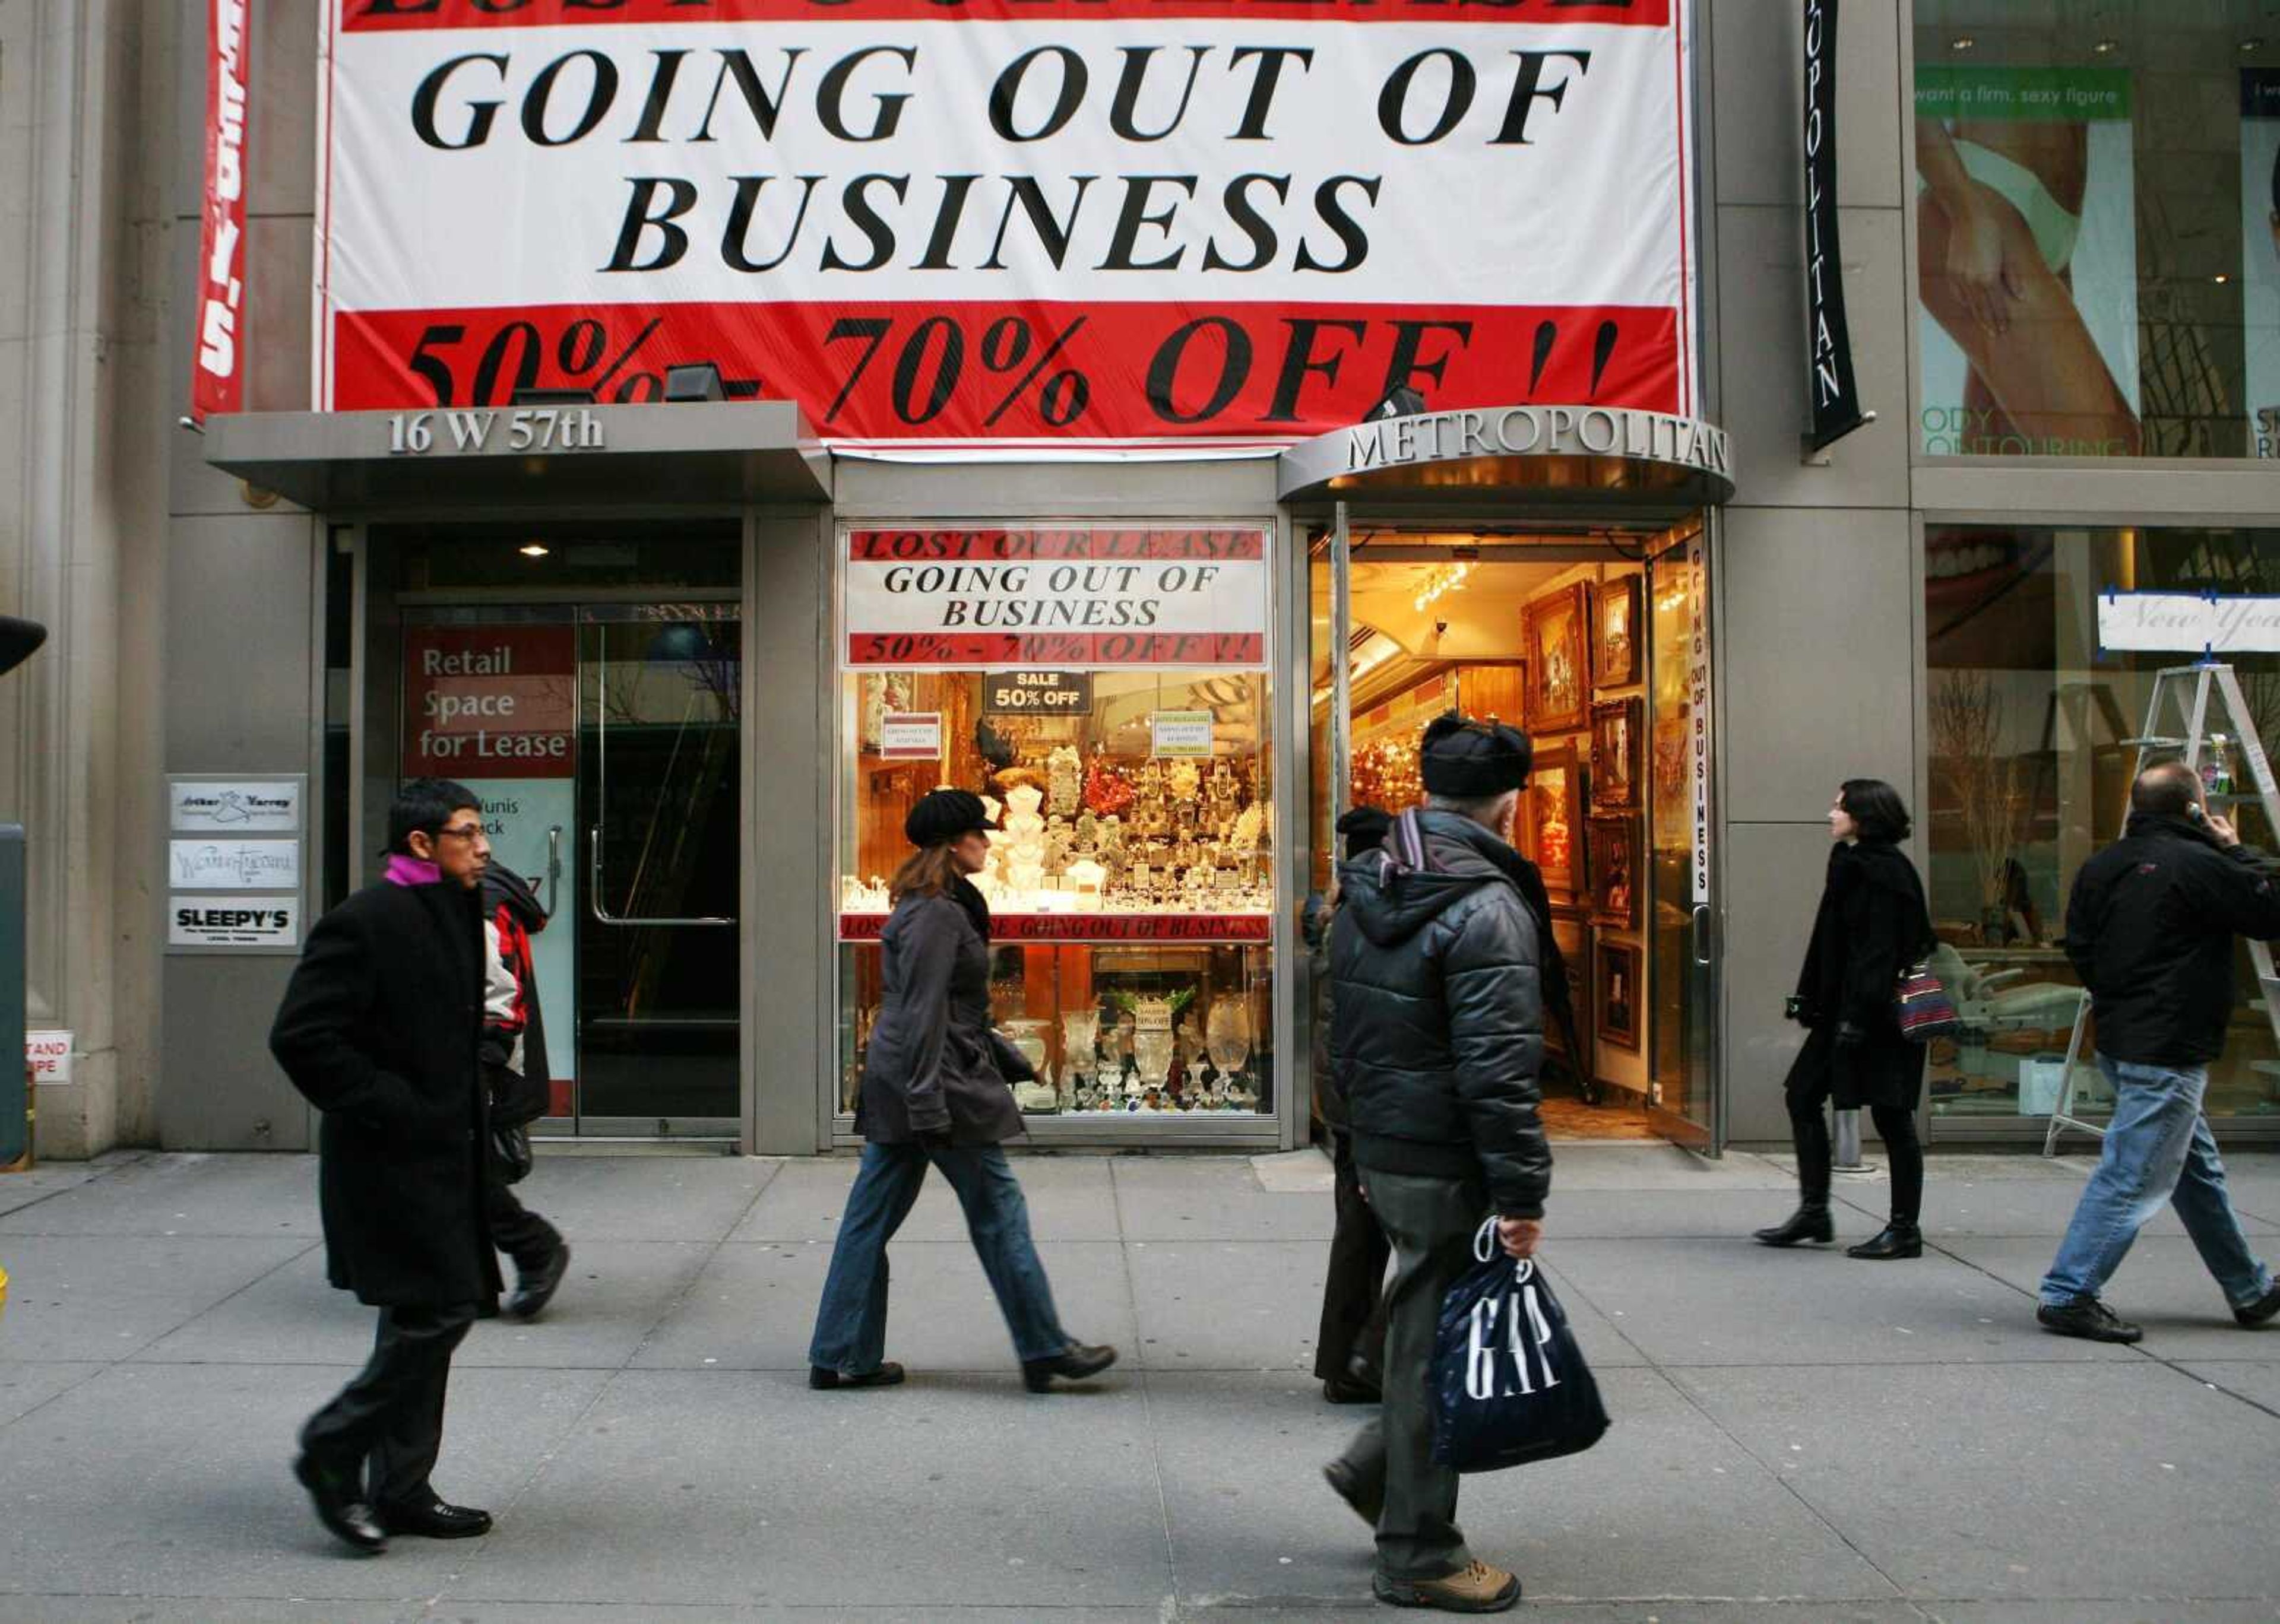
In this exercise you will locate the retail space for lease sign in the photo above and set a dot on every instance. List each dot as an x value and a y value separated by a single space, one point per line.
1038 225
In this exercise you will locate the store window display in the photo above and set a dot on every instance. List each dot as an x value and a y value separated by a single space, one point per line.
2098 235
2031 748
1105 690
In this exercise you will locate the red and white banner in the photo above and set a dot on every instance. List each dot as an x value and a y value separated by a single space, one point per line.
1019 223
1078 928
1078 597
218 371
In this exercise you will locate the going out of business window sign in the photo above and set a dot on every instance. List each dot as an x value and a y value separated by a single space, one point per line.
1042 226
1080 598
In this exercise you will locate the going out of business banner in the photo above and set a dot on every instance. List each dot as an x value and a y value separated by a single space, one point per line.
2027 261
2260 241
1010 222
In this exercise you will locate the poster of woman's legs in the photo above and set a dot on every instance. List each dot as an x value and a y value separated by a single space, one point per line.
2027 261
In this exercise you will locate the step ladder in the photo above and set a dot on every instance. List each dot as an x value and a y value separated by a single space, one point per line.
2177 724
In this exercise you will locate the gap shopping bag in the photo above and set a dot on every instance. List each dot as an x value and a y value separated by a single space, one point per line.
1509 1383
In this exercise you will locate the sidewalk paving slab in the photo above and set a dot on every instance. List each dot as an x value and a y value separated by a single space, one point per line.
613 1295
963 1487
49 1179
143 1476
25 1387
2255 1381
753 1307
1713 1302
109 1296
1242 1457
646 1198
182 1193
2025 1481
1197 1199
1069 1198
175 1480
2161 1285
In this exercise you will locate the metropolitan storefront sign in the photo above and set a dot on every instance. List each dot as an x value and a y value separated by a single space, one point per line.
1039 223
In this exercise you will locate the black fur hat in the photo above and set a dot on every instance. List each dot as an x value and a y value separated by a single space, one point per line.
942 815
1469 759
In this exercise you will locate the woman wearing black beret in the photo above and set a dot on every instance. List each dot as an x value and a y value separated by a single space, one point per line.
934 1091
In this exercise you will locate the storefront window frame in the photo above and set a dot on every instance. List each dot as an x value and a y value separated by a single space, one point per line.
1280 1126
1953 486
2019 1131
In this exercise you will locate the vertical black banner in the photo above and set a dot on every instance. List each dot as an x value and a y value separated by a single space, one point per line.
1829 341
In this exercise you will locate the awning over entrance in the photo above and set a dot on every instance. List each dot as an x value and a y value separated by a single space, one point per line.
1545 456
716 452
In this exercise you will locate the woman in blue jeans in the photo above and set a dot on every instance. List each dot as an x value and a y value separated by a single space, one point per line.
934 1092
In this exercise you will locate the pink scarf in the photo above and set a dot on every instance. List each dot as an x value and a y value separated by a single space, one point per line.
404 870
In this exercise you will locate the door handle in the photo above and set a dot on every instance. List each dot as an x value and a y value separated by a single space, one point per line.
1701 935
553 868
604 916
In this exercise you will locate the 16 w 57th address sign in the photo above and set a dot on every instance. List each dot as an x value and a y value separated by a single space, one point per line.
1026 223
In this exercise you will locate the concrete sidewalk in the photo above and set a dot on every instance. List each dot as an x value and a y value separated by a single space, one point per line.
1798 1436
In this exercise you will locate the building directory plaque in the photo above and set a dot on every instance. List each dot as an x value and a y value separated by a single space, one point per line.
236 862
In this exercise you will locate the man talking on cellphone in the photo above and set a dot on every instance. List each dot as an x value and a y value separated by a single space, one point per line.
2150 927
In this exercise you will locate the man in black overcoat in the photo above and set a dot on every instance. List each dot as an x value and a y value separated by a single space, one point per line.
381 1029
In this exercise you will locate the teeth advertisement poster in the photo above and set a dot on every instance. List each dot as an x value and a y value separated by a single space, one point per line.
2259 242
2028 262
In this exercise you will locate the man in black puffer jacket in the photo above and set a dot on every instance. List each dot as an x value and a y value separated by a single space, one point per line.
1437 1033
2150 927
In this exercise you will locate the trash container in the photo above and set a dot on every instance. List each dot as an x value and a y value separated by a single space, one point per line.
2042 1077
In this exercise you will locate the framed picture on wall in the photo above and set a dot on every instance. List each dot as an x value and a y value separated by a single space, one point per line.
1615 634
1615 742
1558 669
1573 938
1548 829
1614 859
1615 967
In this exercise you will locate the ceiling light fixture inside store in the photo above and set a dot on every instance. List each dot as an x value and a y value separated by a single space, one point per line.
1445 578
2107 48
534 550
1961 41
2252 44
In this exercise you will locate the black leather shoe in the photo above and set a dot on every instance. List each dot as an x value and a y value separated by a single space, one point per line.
1072 1363
2262 1309
1346 1482
535 1290
822 1377
339 1504
1899 1240
436 1521
2087 1318
1809 1222
1346 1391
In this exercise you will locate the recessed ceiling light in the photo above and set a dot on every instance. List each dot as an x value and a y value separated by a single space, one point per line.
2104 48
534 550
1961 41
2221 278
2252 44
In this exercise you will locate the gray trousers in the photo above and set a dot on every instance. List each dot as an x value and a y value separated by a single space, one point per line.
1431 1222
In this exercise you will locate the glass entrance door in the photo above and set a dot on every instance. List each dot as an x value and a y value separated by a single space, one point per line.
1597 646
603 742
1682 1096
660 820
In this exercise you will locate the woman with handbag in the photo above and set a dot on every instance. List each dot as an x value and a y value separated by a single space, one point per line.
934 1092
1872 926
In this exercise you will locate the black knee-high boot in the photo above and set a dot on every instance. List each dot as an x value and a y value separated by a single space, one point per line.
1809 1129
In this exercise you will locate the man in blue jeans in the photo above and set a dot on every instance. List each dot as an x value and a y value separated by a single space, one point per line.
2150 927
